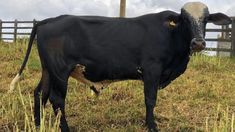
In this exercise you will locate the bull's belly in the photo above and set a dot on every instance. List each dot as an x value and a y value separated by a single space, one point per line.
77 74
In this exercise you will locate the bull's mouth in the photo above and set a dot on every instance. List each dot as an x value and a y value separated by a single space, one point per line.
197 48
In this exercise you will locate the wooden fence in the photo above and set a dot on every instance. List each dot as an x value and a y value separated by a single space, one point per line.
227 37
13 29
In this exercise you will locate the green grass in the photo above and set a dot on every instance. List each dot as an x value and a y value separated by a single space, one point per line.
202 99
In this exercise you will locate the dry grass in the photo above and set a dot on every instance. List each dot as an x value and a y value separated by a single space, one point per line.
202 99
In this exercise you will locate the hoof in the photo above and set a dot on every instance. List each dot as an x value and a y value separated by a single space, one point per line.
152 127
152 130
37 128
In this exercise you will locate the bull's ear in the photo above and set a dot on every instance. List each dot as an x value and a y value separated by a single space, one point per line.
219 19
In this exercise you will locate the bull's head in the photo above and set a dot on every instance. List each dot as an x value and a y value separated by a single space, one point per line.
195 16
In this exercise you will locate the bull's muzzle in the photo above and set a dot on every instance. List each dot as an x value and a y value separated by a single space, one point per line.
197 44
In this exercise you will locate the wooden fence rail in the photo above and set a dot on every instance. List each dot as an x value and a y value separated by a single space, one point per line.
226 39
9 30
12 29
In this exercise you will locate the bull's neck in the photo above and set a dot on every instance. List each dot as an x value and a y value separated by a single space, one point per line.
182 37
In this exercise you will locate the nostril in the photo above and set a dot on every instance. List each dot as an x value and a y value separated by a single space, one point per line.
199 43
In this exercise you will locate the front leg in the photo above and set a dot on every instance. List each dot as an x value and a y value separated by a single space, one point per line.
151 84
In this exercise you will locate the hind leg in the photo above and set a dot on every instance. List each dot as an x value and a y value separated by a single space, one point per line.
41 92
57 99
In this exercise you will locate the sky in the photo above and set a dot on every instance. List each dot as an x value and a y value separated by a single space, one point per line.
41 9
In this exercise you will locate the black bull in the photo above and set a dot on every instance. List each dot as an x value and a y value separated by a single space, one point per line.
154 48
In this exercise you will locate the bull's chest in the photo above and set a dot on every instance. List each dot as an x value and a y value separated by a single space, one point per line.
175 69
78 74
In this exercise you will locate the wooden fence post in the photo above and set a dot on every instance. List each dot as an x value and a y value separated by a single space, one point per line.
225 34
122 8
233 37
0 30
34 22
15 30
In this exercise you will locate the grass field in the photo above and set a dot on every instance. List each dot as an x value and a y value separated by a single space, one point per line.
202 99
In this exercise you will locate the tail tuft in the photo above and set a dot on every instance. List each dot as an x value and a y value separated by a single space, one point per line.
13 83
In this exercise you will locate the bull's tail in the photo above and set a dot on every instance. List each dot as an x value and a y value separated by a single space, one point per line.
17 77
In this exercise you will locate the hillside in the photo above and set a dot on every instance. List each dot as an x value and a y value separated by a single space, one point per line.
202 99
